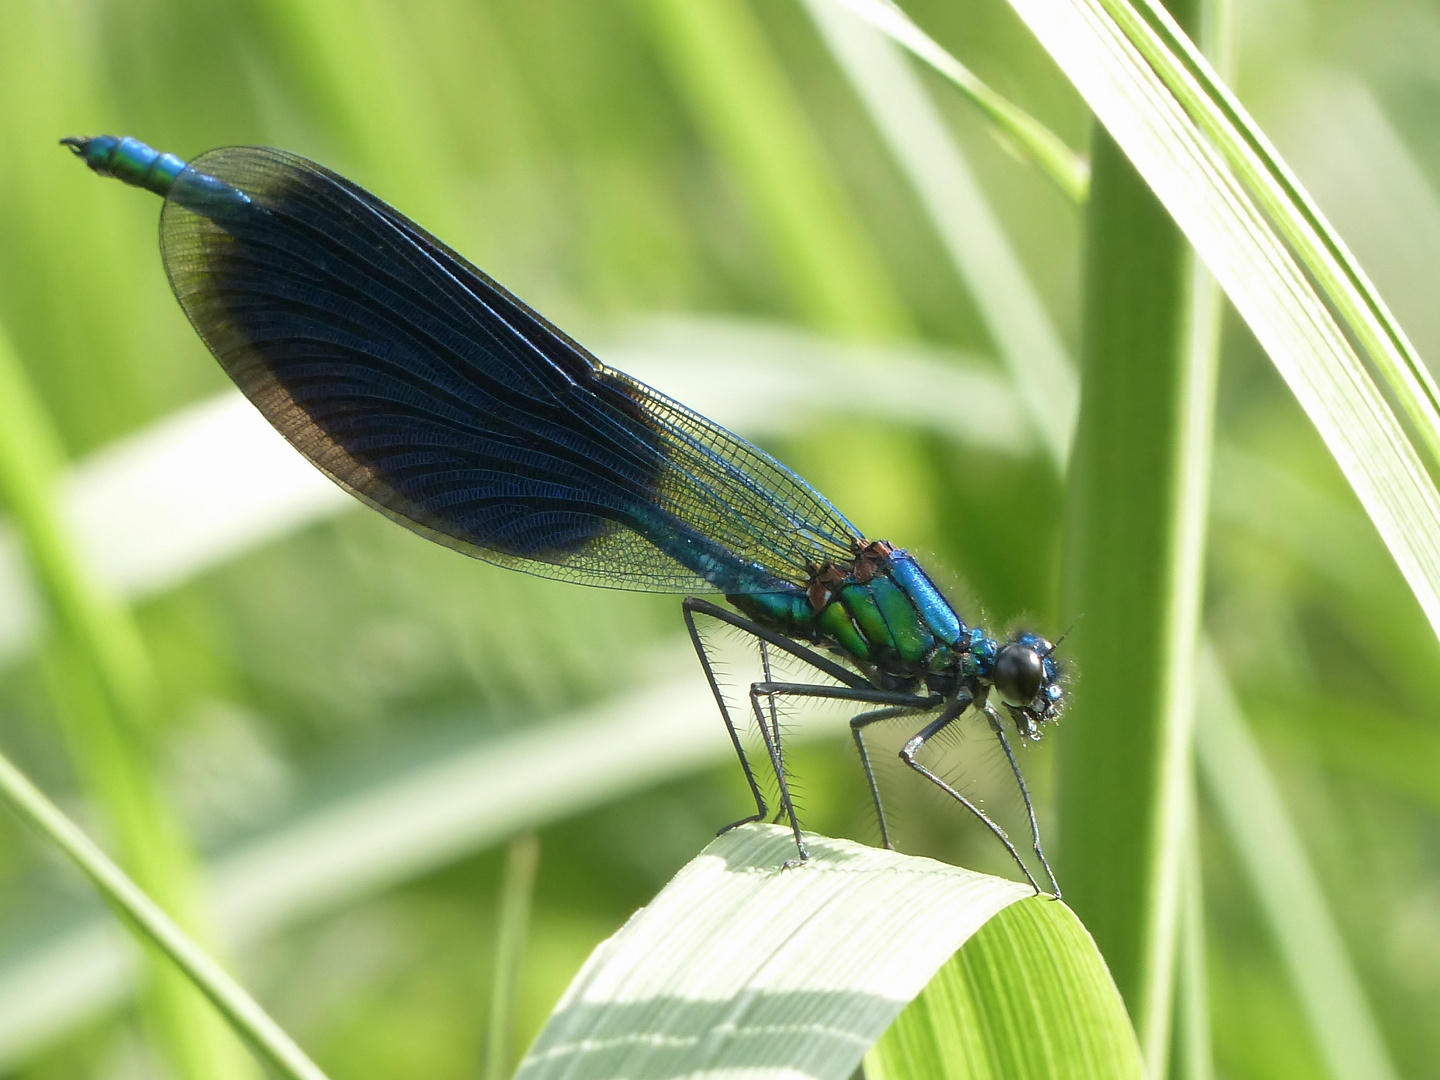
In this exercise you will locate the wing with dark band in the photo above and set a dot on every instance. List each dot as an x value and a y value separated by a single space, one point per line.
430 392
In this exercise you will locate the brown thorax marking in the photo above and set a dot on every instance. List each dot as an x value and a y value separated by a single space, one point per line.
870 558
825 580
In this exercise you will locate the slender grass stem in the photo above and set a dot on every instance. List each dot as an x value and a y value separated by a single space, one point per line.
517 894
1013 126
100 682
1135 538
1123 534
155 927
742 101
963 219
1191 1058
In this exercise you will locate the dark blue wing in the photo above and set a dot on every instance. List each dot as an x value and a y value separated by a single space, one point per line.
430 392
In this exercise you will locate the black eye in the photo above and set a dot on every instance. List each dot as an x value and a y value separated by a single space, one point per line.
1017 675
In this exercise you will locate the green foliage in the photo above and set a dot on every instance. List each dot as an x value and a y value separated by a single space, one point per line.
351 722
696 983
1027 996
99 680
174 953
1134 537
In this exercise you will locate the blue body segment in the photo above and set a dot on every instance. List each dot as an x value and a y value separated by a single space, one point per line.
934 610
130 161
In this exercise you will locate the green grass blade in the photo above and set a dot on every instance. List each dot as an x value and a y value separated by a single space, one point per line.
1192 1056
1027 996
744 964
404 824
1223 211
1015 127
517 892
721 62
1134 537
963 219
1229 229
155 927
1324 255
99 679
1195 82
1268 846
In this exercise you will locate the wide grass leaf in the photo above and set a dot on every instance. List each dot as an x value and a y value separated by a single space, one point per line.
745 963
1028 996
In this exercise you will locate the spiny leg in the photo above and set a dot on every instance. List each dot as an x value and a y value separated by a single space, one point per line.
996 724
761 810
777 760
693 605
774 712
857 726
842 675
772 691
913 747
853 687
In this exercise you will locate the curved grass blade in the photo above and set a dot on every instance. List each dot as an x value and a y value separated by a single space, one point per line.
1226 222
720 60
1027 997
741 965
517 894
963 219
1015 127
156 928
1213 106
1322 252
99 681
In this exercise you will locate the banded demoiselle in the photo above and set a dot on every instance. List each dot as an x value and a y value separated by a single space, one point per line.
431 393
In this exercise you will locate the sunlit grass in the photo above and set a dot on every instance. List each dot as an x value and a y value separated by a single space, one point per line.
597 158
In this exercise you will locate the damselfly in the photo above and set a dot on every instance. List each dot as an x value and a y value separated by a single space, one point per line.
428 391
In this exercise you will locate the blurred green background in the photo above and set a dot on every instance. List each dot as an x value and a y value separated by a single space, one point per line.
685 186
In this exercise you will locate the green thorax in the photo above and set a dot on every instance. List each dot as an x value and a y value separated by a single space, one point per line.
882 611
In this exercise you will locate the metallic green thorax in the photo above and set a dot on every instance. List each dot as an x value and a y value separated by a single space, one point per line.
882 612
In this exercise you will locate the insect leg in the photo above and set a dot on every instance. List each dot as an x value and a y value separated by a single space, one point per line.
772 746
820 663
854 688
761 810
786 807
857 726
895 703
913 747
996 725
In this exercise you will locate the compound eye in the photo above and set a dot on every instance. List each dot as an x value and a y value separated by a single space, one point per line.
1017 674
